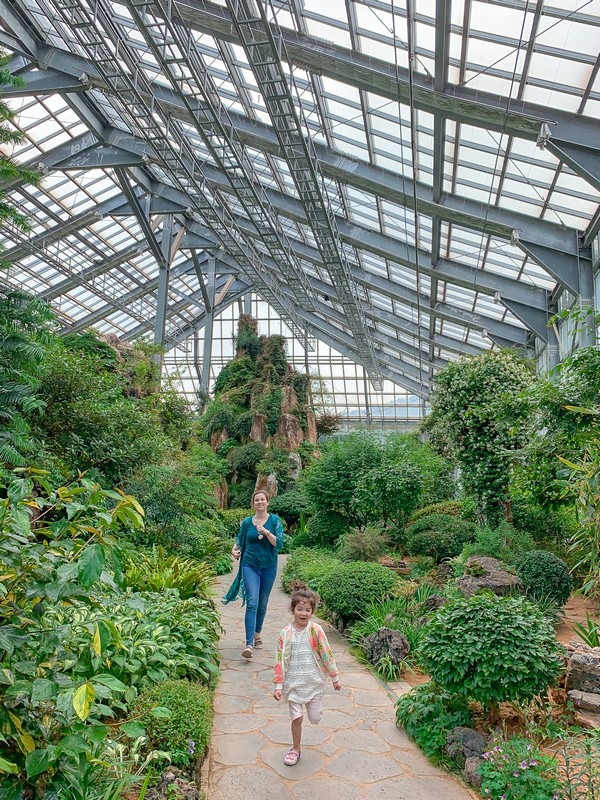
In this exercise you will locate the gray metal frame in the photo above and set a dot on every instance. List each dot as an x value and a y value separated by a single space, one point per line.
390 208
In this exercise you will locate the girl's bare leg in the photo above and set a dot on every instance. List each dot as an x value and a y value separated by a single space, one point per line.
296 733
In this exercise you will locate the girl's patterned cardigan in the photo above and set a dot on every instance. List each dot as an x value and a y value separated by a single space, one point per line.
321 649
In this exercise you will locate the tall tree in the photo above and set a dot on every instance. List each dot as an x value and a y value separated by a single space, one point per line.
24 321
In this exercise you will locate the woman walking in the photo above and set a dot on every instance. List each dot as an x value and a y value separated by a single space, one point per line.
257 544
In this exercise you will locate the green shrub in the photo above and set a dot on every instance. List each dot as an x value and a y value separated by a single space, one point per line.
290 506
238 372
242 425
517 770
438 536
545 576
362 545
544 524
428 713
156 571
277 460
247 341
233 518
240 493
451 507
350 588
246 457
205 541
308 565
326 527
185 734
503 542
220 415
492 649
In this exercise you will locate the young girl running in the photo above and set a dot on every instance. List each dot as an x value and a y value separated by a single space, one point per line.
304 659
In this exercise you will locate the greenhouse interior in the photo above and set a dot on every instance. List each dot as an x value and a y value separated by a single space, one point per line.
299 307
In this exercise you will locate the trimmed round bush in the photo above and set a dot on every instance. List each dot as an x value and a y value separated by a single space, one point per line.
350 588
545 576
308 565
189 726
439 536
492 649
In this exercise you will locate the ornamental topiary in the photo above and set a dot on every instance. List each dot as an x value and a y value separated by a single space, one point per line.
439 536
492 649
545 576
186 733
351 588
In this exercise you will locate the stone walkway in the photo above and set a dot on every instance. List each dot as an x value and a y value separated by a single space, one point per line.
355 753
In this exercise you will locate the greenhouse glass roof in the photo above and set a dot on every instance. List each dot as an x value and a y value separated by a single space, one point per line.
396 182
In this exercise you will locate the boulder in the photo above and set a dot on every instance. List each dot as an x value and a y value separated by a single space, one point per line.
221 493
583 669
484 572
586 701
172 786
471 771
289 432
588 720
387 642
268 483
434 602
217 439
258 432
289 400
463 743
311 426
296 462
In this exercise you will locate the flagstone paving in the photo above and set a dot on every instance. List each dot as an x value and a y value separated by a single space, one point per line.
355 753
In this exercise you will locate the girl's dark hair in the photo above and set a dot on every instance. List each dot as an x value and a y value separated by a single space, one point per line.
302 592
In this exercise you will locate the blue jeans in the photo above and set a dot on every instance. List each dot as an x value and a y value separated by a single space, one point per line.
258 584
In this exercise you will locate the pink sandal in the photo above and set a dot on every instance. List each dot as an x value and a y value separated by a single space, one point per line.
291 757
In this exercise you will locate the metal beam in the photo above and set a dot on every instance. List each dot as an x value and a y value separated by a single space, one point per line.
384 183
162 298
493 220
462 103
209 317
392 369
11 19
263 45
169 43
41 84
585 161
138 293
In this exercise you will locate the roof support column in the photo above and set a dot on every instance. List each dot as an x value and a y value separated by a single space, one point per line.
163 282
586 302
208 324
248 304
553 349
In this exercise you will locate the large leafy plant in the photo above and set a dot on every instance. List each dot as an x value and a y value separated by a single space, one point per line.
478 417
492 649
156 571
428 713
55 548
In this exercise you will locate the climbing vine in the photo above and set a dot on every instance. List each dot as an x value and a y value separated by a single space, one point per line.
478 418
